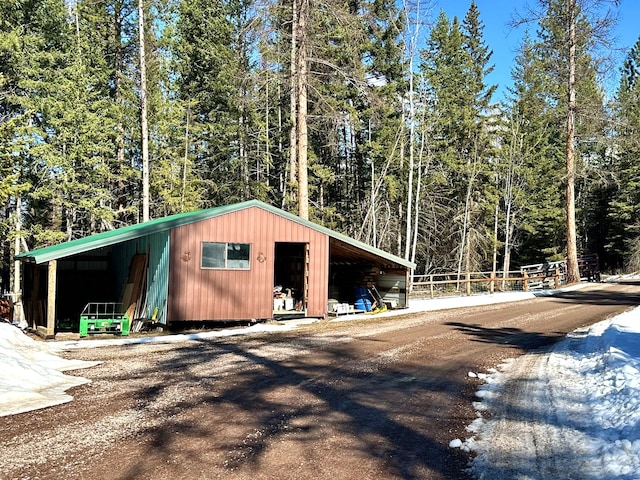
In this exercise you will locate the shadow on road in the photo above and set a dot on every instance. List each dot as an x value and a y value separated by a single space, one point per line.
508 336
314 406
598 297
368 413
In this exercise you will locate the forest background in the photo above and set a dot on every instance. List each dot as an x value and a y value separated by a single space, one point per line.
405 146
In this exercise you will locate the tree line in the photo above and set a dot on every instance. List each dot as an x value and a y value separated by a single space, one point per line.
374 118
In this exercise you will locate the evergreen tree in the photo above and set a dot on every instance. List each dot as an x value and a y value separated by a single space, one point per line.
455 64
207 69
624 204
539 230
173 186
373 125
353 106
380 127
76 124
338 92
548 61
15 32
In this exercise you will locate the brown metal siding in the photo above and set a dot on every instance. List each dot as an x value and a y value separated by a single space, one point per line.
197 294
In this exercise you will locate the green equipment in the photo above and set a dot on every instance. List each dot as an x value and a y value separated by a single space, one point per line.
107 317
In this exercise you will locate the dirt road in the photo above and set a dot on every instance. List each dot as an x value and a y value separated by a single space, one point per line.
374 399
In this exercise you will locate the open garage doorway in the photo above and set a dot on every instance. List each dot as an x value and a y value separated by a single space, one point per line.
291 278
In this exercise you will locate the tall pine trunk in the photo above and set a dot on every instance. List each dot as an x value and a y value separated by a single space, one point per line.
293 100
407 245
573 274
416 214
464 244
508 232
121 200
143 115
185 162
508 229
302 136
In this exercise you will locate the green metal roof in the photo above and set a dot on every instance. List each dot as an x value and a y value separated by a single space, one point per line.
131 232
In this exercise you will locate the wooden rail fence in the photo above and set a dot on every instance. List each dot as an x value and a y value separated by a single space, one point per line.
439 284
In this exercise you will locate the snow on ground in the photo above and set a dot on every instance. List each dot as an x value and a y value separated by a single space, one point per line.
184 337
30 375
571 414
575 413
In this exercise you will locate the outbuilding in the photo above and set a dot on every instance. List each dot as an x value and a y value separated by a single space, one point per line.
244 261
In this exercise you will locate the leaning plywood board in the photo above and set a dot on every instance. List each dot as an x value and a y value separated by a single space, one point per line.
133 289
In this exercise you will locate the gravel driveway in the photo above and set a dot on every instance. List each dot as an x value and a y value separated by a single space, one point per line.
374 399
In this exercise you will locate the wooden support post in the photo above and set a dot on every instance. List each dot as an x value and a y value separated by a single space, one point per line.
492 284
431 285
468 277
50 330
408 288
35 293
556 278
526 281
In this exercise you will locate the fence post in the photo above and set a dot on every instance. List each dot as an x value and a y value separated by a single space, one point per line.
431 285
492 285
468 277
556 278
526 281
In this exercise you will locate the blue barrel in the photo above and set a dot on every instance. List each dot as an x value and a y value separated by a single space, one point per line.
363 304
362 299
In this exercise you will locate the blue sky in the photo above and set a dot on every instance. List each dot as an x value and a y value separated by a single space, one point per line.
504 41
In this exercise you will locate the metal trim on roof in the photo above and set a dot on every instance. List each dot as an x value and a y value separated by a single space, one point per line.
105 239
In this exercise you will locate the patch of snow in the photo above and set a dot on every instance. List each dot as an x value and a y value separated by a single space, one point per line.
456 443
179 338
572 413
30 375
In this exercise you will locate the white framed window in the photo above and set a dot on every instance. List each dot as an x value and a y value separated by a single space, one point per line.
223 255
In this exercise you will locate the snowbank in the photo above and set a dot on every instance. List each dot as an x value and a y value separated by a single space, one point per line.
30 375
573 413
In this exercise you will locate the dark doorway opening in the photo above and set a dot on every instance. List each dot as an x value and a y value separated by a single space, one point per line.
291 273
